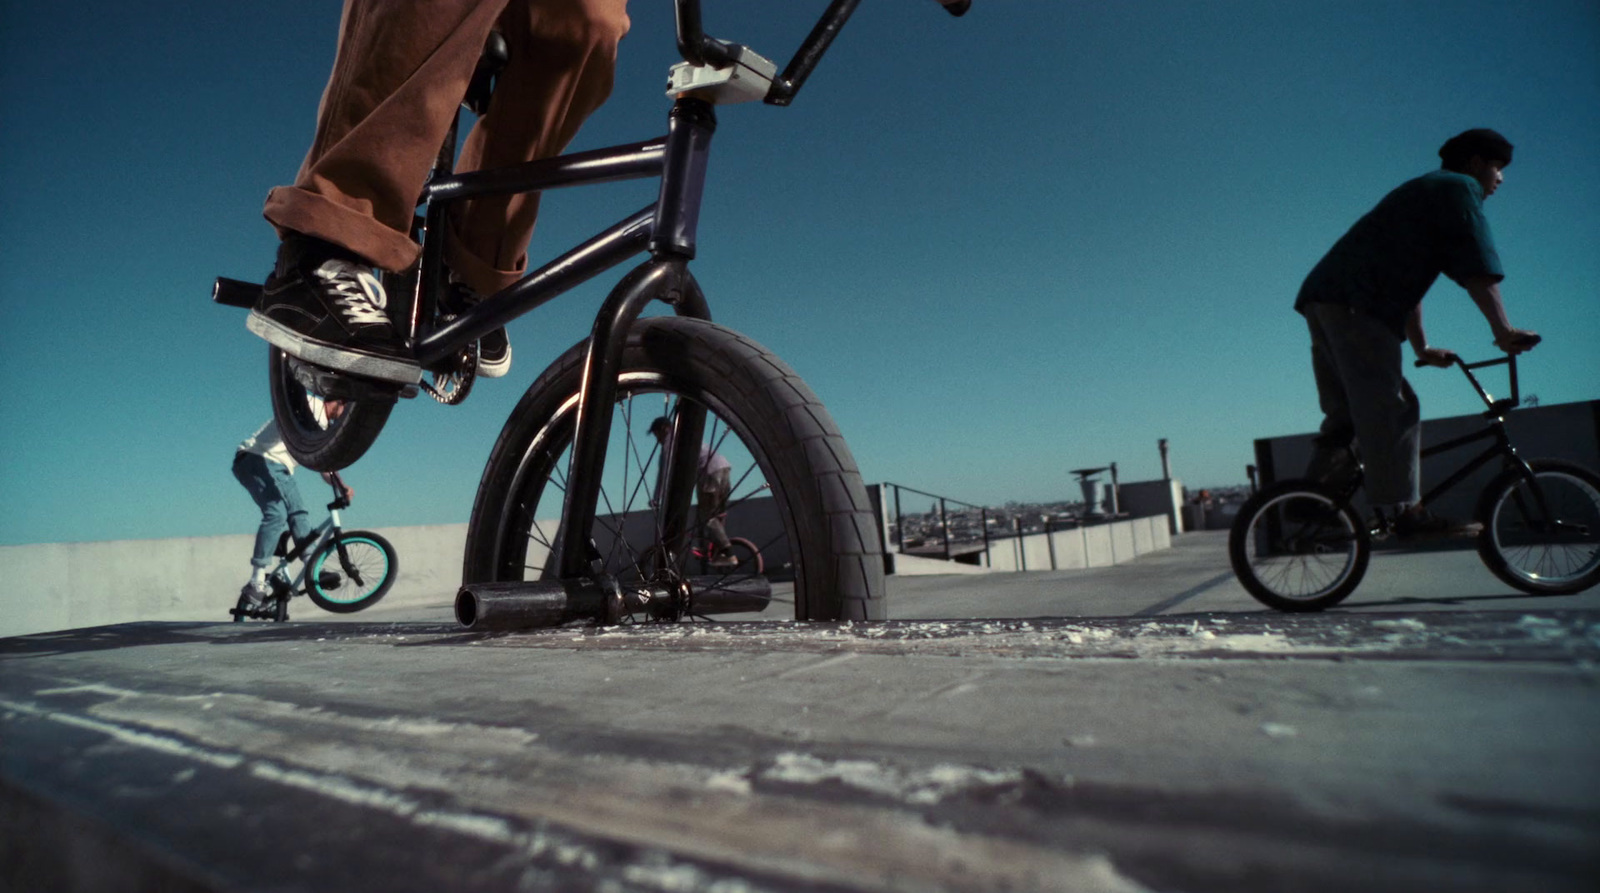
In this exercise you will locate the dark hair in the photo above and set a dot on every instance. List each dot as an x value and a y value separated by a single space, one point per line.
660 426
1480 142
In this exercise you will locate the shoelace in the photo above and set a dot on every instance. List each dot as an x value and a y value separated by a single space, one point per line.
357 293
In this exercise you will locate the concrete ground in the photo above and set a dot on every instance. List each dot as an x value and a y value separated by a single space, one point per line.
1137 728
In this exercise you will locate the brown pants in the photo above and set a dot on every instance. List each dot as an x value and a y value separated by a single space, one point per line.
397 82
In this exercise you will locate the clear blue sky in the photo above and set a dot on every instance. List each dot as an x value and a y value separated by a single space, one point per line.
1000 247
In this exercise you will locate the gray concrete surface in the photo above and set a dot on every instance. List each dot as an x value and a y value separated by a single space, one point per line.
1128 729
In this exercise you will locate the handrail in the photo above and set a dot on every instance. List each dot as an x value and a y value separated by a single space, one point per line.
944 520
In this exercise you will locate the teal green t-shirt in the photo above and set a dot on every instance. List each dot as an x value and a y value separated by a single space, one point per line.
1391 257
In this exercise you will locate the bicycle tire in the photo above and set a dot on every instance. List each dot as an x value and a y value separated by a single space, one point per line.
746 555
345 590
1534 556
783 435
314 440
1296 547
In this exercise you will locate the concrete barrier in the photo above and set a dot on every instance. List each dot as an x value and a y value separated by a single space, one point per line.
57 586
1097 545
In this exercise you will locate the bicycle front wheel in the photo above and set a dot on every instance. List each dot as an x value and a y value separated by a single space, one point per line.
1543 536
795 490
1296 547
351 573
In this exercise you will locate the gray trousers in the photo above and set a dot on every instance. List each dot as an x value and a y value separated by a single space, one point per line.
1357 363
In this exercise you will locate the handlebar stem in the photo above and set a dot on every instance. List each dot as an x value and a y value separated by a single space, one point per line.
697 47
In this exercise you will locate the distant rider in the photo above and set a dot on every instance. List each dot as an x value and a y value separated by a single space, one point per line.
262 464
1365 297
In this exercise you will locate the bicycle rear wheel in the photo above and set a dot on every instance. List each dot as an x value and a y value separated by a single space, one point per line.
315 438
1543 536
352 573
746 557
795 488
1296 547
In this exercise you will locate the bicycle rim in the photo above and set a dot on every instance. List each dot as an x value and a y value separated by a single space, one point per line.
1298 550
1546 540
747 558
628 529
339 587
795 492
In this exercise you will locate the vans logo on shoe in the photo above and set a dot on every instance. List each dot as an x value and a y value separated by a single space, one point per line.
357 294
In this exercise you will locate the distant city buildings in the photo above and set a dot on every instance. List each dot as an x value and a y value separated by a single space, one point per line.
924 532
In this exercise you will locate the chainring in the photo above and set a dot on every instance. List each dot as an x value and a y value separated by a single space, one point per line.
452 386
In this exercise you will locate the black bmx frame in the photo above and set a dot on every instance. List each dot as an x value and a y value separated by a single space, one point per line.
666 229
1495 430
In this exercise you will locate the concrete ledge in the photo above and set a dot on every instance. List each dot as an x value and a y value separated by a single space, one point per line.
916 565
57 586
1098 545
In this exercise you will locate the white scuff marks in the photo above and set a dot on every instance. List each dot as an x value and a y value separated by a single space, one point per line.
729 782
484 826
1279 730
1405 624
131 736
1542 629
921 787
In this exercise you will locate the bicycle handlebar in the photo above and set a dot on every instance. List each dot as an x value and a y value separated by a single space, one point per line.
1509 360
699 48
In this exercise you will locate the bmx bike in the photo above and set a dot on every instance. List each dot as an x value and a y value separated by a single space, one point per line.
559 521
342 571
1300 545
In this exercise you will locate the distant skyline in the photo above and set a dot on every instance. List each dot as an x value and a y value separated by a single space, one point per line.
1037 238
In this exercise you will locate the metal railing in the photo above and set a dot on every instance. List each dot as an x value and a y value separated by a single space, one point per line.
953 530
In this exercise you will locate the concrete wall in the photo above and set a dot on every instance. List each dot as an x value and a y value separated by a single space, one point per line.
56 586
1097 545
1164 497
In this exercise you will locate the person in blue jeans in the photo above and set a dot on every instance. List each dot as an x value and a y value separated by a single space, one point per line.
1364 298
262 464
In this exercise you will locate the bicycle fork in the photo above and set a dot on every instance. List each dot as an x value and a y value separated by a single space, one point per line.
584 589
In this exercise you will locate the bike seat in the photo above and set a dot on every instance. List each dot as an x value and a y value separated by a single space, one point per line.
493 61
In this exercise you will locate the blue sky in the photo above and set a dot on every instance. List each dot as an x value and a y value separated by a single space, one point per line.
1037 238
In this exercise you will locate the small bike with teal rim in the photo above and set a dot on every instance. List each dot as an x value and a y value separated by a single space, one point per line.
346 571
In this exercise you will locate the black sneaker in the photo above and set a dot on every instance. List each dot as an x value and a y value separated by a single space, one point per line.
494 349
325 306
254 599
1425 525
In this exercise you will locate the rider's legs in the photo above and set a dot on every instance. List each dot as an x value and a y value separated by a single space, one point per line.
711 506
397 80
1357 364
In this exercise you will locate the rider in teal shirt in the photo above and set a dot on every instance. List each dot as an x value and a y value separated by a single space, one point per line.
1365 297
1391 257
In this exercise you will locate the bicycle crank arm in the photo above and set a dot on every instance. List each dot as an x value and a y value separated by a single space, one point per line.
501 607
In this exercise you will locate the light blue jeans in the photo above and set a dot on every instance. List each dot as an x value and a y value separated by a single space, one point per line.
1357 363
271 485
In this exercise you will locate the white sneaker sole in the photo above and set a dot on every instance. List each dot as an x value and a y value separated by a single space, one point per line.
497 369
330 357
